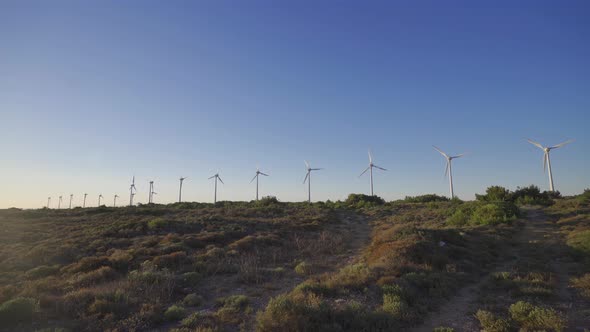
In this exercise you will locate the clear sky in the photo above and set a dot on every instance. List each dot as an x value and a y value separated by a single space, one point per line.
93 92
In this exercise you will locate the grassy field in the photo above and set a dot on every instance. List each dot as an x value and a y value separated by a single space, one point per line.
424 263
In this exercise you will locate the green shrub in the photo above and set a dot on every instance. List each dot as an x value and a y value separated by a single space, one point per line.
41 272
20 309
490 323
580 241
157 223
458 218
359 201
583 284
584 197
234 301
192 300
531 317
443 329
175 313
425 199
495 194
531 195
303 268
97 276
393 301
490 214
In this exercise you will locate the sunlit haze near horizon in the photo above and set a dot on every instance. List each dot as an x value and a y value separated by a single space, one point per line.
93 93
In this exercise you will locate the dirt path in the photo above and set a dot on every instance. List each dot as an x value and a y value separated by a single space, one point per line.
540 236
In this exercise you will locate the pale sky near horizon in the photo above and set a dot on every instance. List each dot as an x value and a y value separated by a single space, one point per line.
92 93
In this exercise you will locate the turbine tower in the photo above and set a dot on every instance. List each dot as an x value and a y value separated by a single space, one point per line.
449 169
48 201
370 169
180 190
308 179
115 200
71 196
84 203
547 159
151 193
99 197
132 191
258 173
216 176
59 203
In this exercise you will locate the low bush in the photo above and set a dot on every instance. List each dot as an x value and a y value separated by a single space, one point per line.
41 272
97 276
20 309
583 284
425 199
359 201
175 313
492 214
580 242
491 323
192 300
531 317
157 224
304 268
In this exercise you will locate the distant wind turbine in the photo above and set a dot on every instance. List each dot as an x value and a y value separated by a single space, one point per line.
216 176
370 169
449 169
132 191
258 173
152 193
59 203
84 203
308 179
180 190
115 200
99 197
547 159
48 201
71 196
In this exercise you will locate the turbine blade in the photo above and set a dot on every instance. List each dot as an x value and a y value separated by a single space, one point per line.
440 151
537 144
211 177
381 168
264 174
306 164
458 156
370 156
254 178
365 171
561 144
316 169
306 176
220 179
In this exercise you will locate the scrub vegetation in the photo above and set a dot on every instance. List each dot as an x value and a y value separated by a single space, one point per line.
362 264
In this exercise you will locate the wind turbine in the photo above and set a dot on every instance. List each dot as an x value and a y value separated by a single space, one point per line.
308 179
99 197
132 191
59 203
546 159
71 196
370 169
115 200
449 169
84 203
258 173
48 201
180 190
152 193
216 176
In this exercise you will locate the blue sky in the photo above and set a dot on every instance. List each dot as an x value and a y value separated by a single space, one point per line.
93 93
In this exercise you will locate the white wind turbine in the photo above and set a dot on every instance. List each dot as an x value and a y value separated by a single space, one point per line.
308 179
115 200
449 169
216 176
547 159
258 173
48 201
99 197
152 192
84 203
370 169
59 203
180 189
132 191
71 196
